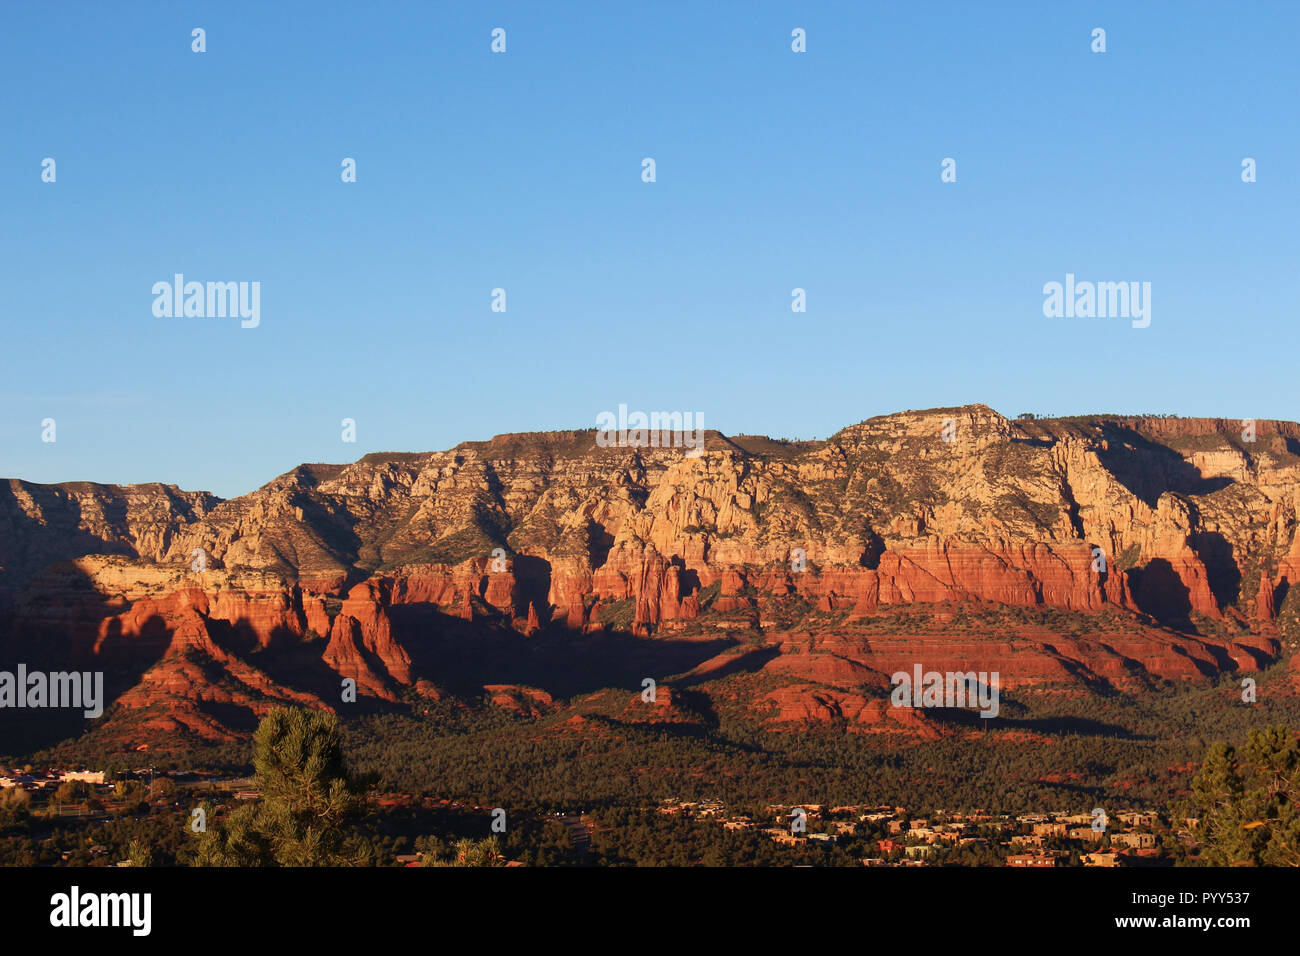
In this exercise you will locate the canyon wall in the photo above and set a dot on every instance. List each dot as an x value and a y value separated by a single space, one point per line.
1179 529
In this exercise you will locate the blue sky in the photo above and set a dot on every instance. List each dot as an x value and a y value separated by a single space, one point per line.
522 171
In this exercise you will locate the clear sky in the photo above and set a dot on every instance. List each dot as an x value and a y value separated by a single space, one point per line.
523 171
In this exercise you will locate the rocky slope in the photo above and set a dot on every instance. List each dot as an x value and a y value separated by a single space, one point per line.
1138 550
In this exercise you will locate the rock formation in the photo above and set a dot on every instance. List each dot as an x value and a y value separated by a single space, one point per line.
1176 537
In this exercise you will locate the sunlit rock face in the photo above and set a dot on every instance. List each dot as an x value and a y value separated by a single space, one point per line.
1179 535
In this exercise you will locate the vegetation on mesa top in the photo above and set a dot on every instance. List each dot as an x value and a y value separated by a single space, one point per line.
579 443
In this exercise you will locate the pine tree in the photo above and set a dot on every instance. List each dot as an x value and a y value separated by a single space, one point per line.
307 797
467 852
139 854
1248 801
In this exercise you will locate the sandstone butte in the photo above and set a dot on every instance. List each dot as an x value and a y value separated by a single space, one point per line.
822 567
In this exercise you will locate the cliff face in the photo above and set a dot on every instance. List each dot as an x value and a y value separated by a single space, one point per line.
42 524
1176 532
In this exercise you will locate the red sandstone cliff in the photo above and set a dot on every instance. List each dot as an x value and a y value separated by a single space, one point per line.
1176 533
